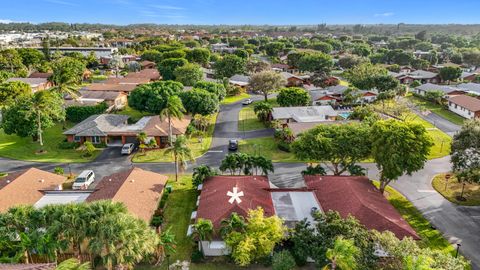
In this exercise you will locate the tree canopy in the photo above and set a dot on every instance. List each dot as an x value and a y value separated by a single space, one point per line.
153 97
188 74
229 65
266 82
199 101
293 96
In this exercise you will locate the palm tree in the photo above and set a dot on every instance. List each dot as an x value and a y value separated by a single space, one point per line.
262 163
173 108
203 230
201 173
342 255
142 137
44 104
73 264
234 223
166 244
181 153
263 110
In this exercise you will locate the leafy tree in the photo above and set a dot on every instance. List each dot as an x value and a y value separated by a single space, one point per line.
31 114
151 55
254 66
31 57
350 61
199 101
153 97
400 57
181 153
362 75
450 73
335 146
293 58
362 49
317 62
173 54
241 53
235 223
203 230
201 173
215 88
5 75
73 264
10 91
324 47
274 48
420 63
200 56
10 60
342 254
167 67
88 149
292 97
246 164
173 109
322 79
188 74
283 260
263 110
465 152
67 69
266 82
384 83
260 237
471 57
399 148
229 65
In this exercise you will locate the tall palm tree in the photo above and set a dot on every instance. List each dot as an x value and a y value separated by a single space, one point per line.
265 165
201 173
44 104
166 243
203 231
181 153
342 255
173 109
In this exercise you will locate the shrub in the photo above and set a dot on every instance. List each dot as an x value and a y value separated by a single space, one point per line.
68 145
284 146
157 221
197 256
79 113
59 170
163 201
88 149
283 260
314 170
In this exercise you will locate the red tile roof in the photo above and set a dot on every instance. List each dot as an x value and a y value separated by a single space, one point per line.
356 196
151 74
214 201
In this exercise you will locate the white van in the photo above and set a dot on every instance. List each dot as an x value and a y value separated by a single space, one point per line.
84 179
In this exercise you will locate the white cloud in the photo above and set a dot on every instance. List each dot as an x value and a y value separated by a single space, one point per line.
6 21
386 14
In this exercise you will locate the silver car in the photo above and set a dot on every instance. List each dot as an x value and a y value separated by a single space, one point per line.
127 148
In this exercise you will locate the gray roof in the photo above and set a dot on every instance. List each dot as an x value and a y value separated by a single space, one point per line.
240 78
470 87
304 114
430 87
30 81
98 125
466 74
420 74
337 89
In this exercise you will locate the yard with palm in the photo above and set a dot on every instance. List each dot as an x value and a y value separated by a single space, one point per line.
15 147
247 119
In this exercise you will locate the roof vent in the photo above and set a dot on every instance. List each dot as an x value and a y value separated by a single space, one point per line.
8 181
110 180
133 180
41 180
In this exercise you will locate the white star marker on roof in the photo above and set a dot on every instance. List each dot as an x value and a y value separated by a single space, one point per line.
235 195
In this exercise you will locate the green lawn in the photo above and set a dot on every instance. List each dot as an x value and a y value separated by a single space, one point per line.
247 119
266 147
12 146
442 141
233 99
430 238
437 109
454 189
198 147
134 114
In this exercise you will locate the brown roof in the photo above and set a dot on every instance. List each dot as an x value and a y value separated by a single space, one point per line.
299 127
214 202
151 74
44 75
147 63
356 196
110 87
106 95
158 127
24 187
132 80
138 189
470 103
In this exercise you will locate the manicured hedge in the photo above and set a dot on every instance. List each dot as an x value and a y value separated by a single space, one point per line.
79 113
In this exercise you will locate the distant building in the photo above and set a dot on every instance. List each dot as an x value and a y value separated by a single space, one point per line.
304 114
37 84
448 90
465 106
85 51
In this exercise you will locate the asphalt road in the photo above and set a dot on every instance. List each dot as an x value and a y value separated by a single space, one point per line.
458 223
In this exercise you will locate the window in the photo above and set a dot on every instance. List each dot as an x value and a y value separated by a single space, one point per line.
76 138
95 139
455 106
163 140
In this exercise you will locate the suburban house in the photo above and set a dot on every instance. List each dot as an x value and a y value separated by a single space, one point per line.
114 100
241 81
300 127
125 80
349 195
304 114
113 87
113 129
465 106
335 94
418 75
294 80
471 88
222 47
37 84
105 60
151 74
148 64
85 51
26 187
447 90
470 77
42 75
139 190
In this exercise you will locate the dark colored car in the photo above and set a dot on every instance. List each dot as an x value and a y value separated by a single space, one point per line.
233 145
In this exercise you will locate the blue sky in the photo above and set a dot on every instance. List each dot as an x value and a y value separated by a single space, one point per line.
242 11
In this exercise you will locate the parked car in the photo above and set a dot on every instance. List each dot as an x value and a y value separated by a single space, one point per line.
84 179
233 145
247 101
128 148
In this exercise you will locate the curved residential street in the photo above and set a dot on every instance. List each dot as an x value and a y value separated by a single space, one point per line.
459 224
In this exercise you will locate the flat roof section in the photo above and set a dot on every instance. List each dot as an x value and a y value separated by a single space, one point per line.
62 197
294 206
